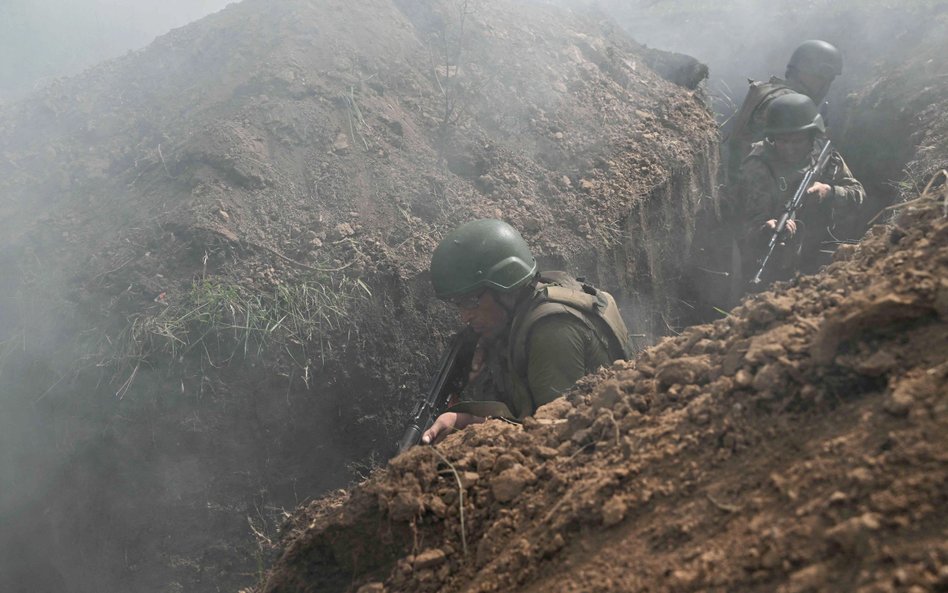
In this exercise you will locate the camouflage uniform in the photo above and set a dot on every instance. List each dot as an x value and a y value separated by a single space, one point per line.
766 185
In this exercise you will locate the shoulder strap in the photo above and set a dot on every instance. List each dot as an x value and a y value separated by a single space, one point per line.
757 94
560 294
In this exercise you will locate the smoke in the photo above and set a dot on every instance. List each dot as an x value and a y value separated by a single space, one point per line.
753 39
40 39
44 39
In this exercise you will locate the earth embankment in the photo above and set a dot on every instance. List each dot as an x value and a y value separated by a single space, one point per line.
214 254
795 445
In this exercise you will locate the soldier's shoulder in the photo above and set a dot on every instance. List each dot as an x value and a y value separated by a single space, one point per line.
756 164
760 151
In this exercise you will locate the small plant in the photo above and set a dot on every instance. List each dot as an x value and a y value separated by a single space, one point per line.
446 53
223 321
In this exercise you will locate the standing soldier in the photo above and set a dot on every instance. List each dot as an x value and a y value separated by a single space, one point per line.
810 71
537 333
771 174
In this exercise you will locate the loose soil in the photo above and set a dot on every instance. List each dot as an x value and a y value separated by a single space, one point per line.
214 256
799 444
796 445
214 296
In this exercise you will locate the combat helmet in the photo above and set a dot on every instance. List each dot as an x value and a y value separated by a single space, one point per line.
478 255
792 113
818 58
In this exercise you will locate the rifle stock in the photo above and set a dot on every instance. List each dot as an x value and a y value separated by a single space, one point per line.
450 378
790 210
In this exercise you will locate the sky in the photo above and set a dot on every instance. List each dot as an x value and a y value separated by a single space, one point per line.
45 39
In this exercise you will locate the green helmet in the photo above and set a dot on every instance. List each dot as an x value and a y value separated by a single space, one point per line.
817 57
792 113
478 255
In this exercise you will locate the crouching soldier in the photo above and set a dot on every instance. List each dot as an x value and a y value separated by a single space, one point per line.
769 178
537 333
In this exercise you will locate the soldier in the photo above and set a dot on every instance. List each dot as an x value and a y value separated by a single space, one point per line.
537 332
771 174
810 71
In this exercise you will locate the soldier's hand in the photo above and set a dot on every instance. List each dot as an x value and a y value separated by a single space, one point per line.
771 225
441 427
821 190
447 423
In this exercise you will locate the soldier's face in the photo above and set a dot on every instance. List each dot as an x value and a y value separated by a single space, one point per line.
793 148
484 314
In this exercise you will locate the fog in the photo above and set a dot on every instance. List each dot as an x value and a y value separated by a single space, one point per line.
44 39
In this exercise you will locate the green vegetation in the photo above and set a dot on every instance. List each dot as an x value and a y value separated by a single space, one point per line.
223 322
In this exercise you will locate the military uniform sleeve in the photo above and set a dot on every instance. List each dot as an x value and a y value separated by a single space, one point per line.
756 196
556 356
848 192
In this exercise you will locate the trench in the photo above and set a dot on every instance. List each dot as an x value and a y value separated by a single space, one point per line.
218 456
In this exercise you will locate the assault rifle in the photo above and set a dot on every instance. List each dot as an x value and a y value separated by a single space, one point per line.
790 210
450 378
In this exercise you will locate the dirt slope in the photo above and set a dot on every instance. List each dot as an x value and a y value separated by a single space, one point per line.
797 445
213 255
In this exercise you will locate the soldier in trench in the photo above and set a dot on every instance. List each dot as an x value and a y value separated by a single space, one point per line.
811 70
768 178
537 332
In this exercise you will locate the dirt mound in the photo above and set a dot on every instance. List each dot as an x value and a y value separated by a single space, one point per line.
331 146
797 445
213 253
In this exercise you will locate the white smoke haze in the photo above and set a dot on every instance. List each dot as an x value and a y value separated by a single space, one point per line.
41 40
45 39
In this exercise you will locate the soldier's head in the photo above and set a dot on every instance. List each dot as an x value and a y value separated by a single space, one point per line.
792 124
481 267
814 64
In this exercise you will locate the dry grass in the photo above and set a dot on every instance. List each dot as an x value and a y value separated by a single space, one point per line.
223 322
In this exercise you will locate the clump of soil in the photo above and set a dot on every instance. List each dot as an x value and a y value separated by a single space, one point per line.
797 445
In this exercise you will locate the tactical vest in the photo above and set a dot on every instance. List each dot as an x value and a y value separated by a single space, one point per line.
758 93
558 293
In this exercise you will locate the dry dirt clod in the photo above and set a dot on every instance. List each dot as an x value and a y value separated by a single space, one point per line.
684 371
613 511
405 506
468 479
607 396
510 483
899 402
428 559
851 536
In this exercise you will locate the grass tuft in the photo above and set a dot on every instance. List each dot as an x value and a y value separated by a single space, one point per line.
223 321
